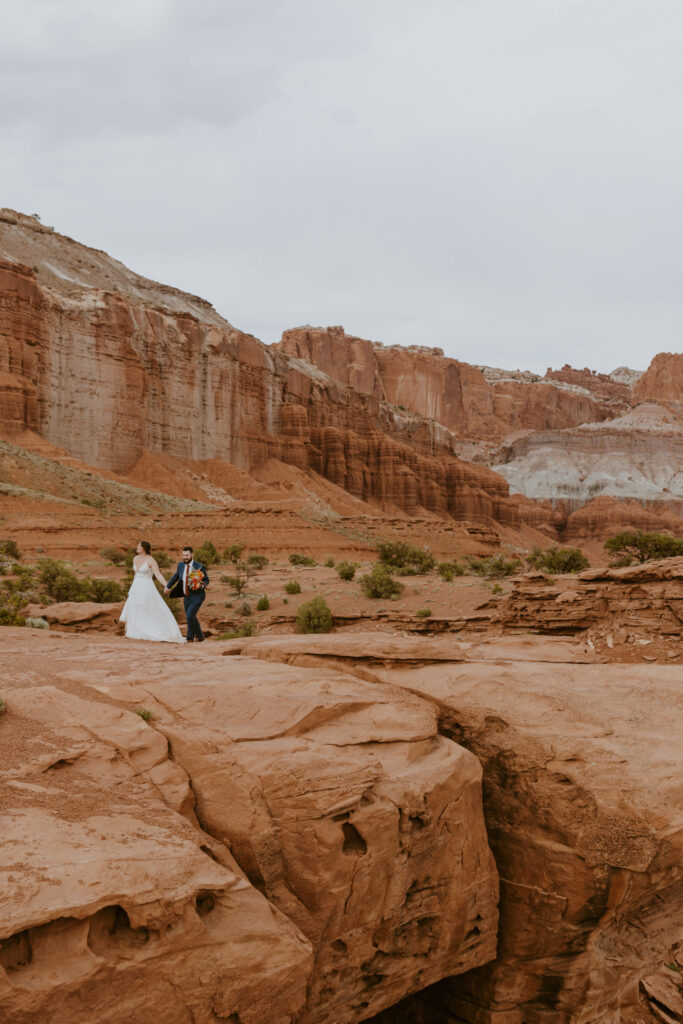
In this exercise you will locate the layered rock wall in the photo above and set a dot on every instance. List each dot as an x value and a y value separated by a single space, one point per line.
107 376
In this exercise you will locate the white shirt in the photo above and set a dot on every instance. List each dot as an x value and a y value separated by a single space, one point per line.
185 575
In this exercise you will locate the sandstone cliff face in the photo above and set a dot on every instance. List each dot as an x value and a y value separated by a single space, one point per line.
582 797
329 857
473 402
663 379
108 376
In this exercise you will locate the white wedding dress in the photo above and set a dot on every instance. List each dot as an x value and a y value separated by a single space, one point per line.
145 613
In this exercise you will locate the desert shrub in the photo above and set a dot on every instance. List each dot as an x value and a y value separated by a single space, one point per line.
248 629
3 706
297 559
206 554
447 570
37 623
233 553
163 559
641 547
258 561
263 604
60 583
285 600
10 608
404 558
493 567
245 609
9 549
347 570
117 556
243 572
380 583
145 714
314 616
329 564
23 577
496 589
293 587
424 613
106 591
557 560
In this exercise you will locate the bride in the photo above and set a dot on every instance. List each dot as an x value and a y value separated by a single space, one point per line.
145 613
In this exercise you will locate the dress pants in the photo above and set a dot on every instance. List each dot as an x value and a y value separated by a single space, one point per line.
193 603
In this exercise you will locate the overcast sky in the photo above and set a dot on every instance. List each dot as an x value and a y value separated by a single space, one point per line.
501 179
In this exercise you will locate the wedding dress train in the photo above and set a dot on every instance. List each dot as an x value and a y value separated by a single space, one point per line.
145 613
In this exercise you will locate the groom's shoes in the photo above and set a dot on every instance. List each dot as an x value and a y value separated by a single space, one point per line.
199 639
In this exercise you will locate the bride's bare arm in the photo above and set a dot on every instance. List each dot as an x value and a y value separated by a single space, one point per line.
157 573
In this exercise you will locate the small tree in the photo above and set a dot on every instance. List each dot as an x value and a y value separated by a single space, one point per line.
404 558
60 583
494 567
9 550
314 616
233 553
206 554
242 574
557 560
258 561
380 583
634 544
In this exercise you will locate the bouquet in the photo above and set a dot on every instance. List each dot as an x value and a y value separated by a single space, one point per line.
195 580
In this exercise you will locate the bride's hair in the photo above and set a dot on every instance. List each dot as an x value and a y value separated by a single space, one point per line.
146 547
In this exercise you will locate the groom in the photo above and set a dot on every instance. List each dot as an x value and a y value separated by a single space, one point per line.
192 599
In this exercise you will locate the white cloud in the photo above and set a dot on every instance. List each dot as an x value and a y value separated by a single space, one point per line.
498 179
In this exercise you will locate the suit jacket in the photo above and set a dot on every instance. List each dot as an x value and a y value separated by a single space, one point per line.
175 584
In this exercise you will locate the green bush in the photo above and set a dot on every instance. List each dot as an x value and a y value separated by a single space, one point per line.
347 570
248 629
297 559
106 591
3 706
163 560
293 587
9 549
493 567
329 564
641 547
117 556
314 616
144 713
258 561
10 608
424 613
233 553
496 589
380 583
447 570
206 554
557 560
60 583
263 604
404 558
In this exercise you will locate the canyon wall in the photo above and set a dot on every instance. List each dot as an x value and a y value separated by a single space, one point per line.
473 402
111 373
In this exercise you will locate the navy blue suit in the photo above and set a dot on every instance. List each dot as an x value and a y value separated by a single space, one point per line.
193 600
